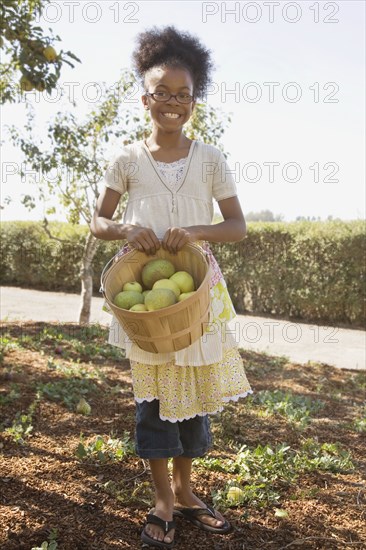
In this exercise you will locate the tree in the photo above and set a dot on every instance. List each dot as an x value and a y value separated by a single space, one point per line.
308 218
74 162
263 216
206 124
28 50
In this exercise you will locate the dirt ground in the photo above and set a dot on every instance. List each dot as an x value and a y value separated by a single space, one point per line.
99 501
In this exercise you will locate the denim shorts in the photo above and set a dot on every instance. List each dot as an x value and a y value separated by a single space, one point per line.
156 438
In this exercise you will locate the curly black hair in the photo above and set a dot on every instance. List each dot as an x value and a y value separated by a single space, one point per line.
170 47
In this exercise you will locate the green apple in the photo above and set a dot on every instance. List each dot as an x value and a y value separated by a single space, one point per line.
159 298
50 54
83 407
133 285
138 307
185 295
25 84
167 283
184 280
235 495
128 298
145 293
155 270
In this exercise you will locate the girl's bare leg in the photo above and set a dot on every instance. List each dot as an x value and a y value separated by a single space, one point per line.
164 499
183 495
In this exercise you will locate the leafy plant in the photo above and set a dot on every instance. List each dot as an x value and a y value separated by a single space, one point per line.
296 408
22 427
360 424
88 341
142 492
114 449
68 391
74 370
51 545
359 380
261 474
13 394
6 344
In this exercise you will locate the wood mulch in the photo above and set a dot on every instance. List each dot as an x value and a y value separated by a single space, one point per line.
44 485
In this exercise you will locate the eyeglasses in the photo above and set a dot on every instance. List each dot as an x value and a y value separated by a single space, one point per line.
165 96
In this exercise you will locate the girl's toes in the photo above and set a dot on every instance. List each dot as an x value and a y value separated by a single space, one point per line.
168 537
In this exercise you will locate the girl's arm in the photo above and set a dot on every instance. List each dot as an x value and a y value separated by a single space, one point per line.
103 227
232 229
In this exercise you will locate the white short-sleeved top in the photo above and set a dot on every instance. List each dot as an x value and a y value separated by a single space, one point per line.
153 203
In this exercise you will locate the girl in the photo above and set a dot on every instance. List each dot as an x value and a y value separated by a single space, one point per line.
171 181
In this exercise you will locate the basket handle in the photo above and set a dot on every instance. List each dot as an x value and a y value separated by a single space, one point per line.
105 271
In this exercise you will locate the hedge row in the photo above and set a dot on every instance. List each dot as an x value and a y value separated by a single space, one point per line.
303 270
313 271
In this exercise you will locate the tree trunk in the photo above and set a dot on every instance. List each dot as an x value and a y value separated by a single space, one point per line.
86 276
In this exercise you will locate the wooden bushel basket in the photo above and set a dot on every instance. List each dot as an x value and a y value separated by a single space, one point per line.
171 328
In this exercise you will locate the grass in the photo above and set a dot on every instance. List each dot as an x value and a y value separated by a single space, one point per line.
68 341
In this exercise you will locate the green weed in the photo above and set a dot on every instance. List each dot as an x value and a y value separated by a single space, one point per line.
6 344
22 427
260 475
296 408
74 370
142 493
359 423
114 449
89 341
51 544
359 381
68 391
12 395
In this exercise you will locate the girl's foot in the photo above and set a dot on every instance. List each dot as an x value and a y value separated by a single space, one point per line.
190 500
164 510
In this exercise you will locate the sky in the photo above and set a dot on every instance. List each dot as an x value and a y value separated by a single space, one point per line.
290 74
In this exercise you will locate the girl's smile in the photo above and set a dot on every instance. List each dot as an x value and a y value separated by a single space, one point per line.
171 115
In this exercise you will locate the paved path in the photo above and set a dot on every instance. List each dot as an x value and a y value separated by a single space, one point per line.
300 342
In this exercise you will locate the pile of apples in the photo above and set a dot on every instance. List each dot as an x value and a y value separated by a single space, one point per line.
162 287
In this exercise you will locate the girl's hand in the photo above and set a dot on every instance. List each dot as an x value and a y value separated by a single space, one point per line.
176 237
142 238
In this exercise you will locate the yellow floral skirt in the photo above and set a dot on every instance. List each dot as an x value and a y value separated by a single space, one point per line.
187 390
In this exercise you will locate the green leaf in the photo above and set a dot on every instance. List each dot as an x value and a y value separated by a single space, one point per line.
99 443
81 452
101 456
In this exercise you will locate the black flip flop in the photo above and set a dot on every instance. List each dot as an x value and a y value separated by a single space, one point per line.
191 514
165 525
